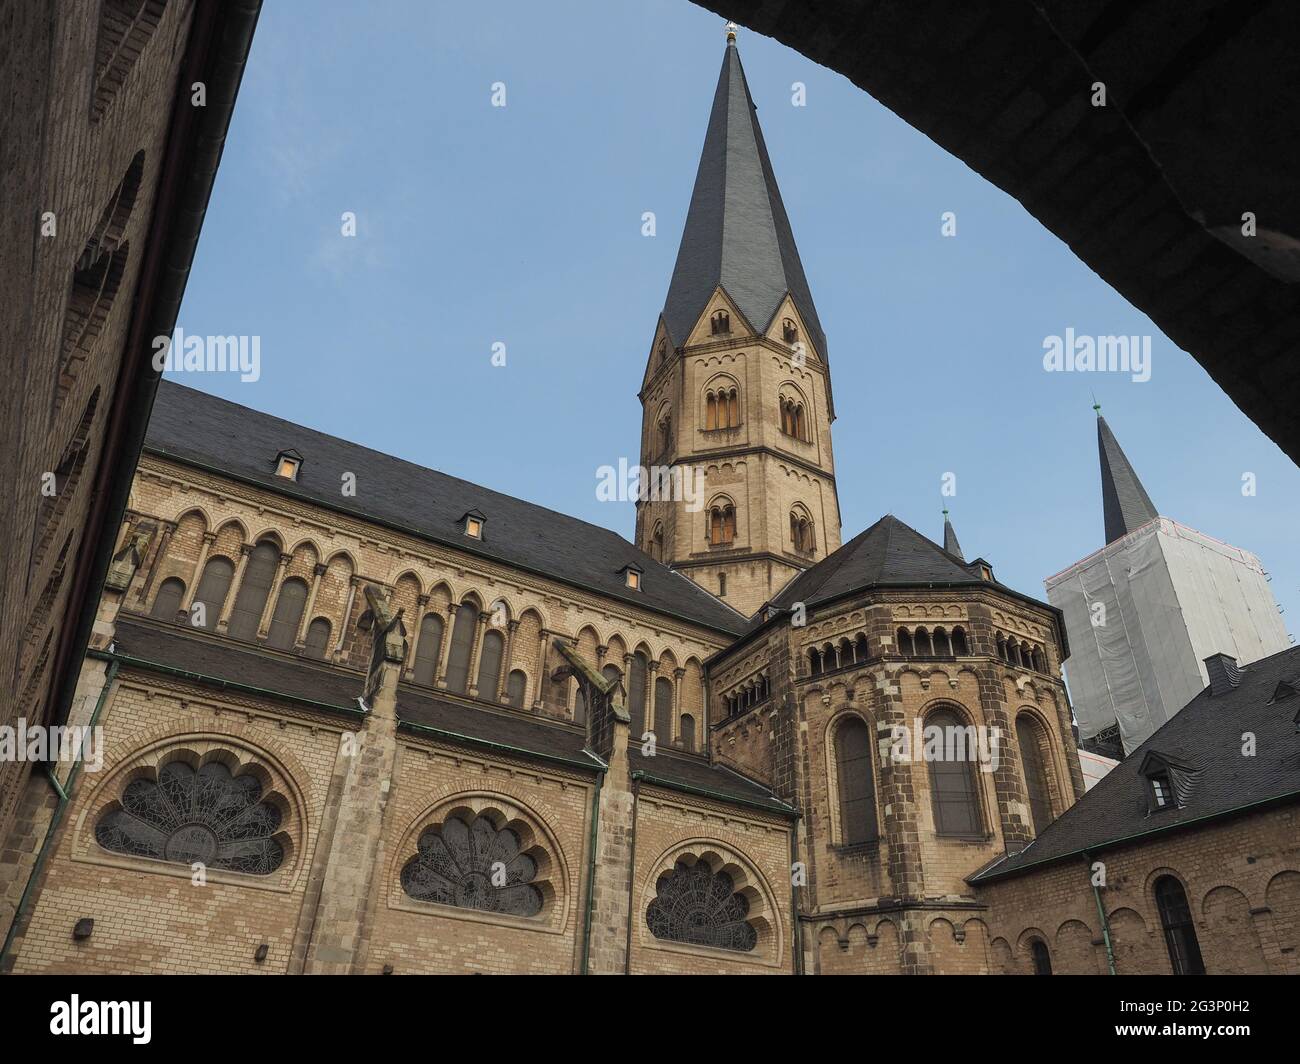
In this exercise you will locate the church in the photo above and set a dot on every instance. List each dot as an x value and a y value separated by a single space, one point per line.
361 716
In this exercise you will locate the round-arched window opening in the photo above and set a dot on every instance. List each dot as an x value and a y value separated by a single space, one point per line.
696 905
208 816
473 866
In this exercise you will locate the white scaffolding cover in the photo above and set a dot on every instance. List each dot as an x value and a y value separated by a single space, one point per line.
1142 614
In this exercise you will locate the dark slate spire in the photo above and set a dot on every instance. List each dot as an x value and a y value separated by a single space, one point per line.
737 234
1125 502
950 543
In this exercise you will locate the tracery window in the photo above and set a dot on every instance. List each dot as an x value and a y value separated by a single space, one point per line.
473 866
209 816
697 905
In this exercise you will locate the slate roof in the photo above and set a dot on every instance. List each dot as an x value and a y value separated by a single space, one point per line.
1125 502
192 426
888 553
176 647
1204 741
737 233
950 543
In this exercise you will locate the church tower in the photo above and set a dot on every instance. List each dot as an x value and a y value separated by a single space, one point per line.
737 387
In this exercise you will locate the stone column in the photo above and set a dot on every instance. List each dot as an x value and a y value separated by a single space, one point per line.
472 680
208 539
440 680
353 582
223 622
161 552
678 674
300 640
507 660
268 607
540 686
421 603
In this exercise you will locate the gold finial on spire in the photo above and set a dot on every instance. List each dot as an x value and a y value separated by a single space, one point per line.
731 33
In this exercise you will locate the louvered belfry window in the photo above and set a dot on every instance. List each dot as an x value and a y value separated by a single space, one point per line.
473 866
188 817
697 905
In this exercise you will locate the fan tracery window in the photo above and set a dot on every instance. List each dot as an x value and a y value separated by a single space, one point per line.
474 866
697 905
208 816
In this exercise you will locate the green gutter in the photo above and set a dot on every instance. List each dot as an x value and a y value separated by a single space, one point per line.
1101 915
992 875
591 873
796 927
774 806
64 794
222 684
595 765
424 536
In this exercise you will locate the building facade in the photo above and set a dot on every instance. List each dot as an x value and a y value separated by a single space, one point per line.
361 716
1146 610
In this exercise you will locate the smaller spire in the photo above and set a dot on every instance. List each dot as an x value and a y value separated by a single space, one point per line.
950 543
1126 506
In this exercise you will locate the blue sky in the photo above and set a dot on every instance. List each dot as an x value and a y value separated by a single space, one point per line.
522 225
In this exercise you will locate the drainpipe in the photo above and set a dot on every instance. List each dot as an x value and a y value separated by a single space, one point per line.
591 870
631 874
1101 915
64 795
796 929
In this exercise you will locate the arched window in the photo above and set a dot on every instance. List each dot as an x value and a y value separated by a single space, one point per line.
787 416
801 531
1180 933
489 665
516 683
1029 737
710 411
959 645
657 543
167 603
687 725
663 708
921 639
814 661
428 650
697 905
942 647
789 331
318 638
720 322
954 795
259 573
459 863
462 646
1040 662
733 409
288 614
860 649
800 430
208 816
722 524
636 694
1042 959
665 430
214 585
1002 647
853 751
905 646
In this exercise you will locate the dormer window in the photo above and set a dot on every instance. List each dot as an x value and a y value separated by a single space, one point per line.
720 323
1162 792
287 464
472 524
632 576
